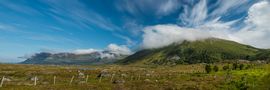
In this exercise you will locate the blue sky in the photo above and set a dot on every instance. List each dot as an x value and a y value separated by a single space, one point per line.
30 26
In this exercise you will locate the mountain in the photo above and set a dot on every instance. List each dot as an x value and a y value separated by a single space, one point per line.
97 57
263 55
201 51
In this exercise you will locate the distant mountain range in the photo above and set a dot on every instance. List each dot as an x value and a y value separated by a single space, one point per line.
201 51
93 58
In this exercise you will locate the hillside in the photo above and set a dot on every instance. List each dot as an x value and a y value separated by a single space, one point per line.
203 51
104 57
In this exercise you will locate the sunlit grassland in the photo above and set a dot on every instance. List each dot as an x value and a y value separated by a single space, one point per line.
133 77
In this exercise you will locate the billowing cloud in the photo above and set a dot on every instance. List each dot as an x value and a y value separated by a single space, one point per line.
111 48
85 51
119 49
255 33
163 35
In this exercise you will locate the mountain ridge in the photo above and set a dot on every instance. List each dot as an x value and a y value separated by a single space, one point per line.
209 50
93 58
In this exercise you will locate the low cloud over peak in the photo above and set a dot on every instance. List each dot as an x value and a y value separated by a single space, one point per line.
119 49
111 48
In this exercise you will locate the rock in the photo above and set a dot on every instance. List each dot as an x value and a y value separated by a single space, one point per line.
33 79
7 79
148 75
81 82
104 73
124 75
81 75
118 81
45 83
147 80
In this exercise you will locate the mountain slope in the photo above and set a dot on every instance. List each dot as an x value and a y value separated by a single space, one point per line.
103 57
203 51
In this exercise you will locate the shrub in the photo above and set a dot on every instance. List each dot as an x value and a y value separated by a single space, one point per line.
226 67
216 68
241 66
235 66
208 68
248 66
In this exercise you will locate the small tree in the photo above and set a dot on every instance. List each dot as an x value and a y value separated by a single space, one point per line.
241 66
208 68
226 67
248 66
235 66
216 68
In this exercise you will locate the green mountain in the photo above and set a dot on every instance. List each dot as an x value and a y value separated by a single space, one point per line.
202 51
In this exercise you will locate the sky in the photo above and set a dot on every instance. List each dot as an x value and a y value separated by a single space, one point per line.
83 26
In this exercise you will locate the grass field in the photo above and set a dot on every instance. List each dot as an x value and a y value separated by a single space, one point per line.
116 77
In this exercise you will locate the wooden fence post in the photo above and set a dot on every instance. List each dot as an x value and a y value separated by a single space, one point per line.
2 81
54 80
86 79
131 78
71 80
35 83
112 77
100 78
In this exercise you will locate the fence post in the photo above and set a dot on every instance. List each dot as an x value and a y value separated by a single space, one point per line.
112 77
100 78
86 79
139 77
71 80
2 81
35 83
54 80
131 78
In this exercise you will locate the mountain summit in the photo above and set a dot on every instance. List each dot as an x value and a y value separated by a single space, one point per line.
189 52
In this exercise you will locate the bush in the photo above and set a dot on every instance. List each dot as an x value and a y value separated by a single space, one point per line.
208 68
216 68
227 67
235 66
241 67
248 66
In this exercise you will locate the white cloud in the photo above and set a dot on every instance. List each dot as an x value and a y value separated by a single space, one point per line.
163 35
85 51
194 15
255 33
76 14
259 14
119 49
228 5
111 48
168 7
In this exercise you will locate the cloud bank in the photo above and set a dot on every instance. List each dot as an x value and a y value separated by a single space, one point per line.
256 31
119 49
111 48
